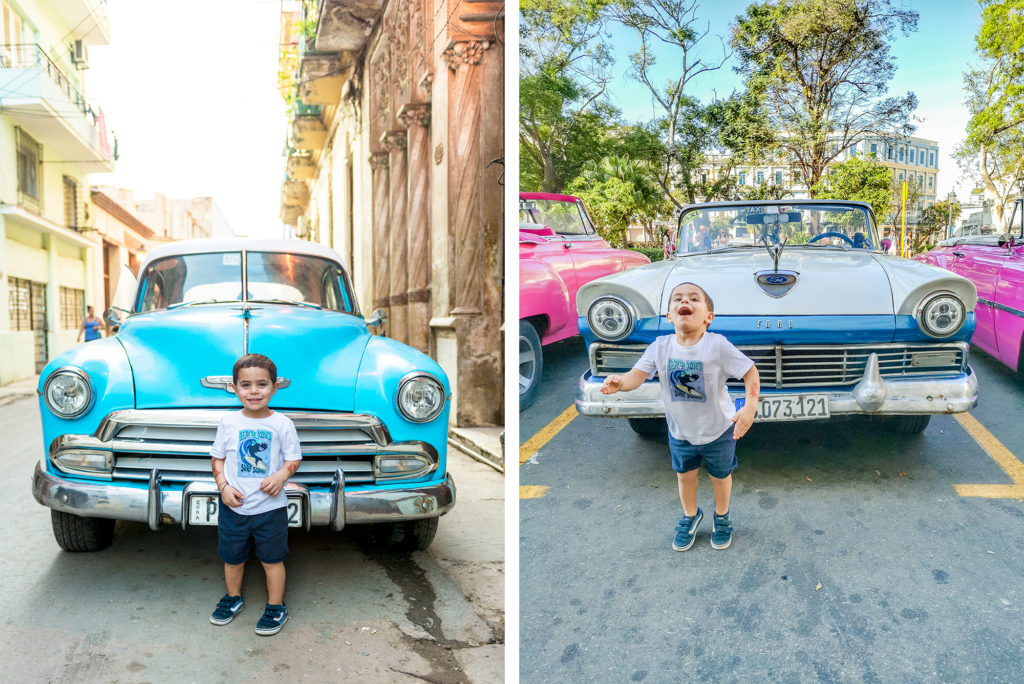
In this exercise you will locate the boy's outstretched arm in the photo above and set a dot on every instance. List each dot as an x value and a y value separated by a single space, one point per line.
623 383
744 418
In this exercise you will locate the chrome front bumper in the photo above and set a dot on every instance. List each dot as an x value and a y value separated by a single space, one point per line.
155 505
873 395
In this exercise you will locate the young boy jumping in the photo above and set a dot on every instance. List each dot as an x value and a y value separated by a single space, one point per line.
693 365
254 453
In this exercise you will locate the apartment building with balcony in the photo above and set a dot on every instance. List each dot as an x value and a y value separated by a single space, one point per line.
394 159
51 138
913 159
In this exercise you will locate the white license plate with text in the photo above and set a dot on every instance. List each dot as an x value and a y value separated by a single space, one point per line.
790 407
203 510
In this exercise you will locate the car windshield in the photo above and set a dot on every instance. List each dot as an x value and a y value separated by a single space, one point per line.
191 279
706 228
565 218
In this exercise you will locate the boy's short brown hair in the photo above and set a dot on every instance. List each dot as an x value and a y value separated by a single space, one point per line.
254 361
707 297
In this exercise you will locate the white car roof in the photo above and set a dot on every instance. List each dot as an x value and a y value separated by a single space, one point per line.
208 245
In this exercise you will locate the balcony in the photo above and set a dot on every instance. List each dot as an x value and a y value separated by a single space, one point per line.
346 24
39 98
300 167
88 19
321 77
308 132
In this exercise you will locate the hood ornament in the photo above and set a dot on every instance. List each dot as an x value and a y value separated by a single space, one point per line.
776 283
224 382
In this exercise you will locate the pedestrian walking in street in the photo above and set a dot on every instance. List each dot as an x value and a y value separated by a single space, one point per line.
254 453
693 365
90 326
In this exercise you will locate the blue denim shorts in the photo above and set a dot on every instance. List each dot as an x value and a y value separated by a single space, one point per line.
237 535
719 456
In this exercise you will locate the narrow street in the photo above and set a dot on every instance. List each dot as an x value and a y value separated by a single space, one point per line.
858 555
139 610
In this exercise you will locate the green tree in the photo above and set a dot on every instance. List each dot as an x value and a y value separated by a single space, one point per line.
620 192
564 73
864 179
933 222
993 152
821 69
684 124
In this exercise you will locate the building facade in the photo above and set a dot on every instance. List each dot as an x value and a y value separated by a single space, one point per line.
395 160
51 139
915 160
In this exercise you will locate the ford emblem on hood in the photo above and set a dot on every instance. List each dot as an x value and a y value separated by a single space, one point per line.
776 283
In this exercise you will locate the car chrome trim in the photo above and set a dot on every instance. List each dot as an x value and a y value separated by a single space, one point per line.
812 365
902 396
1001 307
337 519
224 382
101 500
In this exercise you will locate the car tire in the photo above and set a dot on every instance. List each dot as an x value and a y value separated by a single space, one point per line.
407 535
909 425
532 367
650 428
75 533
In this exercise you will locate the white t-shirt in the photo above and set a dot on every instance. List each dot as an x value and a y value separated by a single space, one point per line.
697 404
252 449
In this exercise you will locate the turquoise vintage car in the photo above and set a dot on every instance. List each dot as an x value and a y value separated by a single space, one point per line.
128 420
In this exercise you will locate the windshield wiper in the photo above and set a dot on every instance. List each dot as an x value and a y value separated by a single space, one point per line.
199 301
286 301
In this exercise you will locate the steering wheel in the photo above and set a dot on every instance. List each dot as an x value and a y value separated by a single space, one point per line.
830 234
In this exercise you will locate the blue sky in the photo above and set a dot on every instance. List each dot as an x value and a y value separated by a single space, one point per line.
930 63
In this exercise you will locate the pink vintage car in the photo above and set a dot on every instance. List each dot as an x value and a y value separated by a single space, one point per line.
995 264
559 250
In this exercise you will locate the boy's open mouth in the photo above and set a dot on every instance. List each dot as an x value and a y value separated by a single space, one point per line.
684 311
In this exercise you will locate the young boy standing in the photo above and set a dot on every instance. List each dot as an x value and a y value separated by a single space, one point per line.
693 365
254 453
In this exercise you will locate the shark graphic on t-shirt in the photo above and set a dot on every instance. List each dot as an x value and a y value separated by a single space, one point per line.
686 380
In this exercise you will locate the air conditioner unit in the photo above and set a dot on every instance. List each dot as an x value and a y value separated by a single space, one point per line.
80 55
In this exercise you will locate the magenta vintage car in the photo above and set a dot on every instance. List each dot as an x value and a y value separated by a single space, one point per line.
559 250
995 264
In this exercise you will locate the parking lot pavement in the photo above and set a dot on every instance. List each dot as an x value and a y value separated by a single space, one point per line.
855 557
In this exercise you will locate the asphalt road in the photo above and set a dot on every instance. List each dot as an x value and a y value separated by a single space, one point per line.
139 610
854 556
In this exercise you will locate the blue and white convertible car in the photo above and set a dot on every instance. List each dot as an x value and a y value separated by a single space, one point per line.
128 420
834 325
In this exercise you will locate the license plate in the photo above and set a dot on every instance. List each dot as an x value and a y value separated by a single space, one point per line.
203 509
790 407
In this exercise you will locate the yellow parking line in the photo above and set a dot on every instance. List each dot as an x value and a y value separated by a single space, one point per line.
534 444
532 491
1003 457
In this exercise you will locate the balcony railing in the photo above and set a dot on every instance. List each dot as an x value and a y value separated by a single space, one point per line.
16 57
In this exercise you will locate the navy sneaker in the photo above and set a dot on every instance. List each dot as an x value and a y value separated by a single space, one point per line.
721 531
227 608
273 619
686 531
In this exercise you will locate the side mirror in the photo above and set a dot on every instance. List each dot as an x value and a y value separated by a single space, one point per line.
376 321
112 317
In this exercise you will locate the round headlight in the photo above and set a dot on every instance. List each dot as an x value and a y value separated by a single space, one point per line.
942 315
68 393
420 397
610 318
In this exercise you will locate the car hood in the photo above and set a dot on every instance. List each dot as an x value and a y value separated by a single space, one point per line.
170 352
829 282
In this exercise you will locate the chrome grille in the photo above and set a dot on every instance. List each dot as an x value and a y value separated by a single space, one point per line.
177 443
785 367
